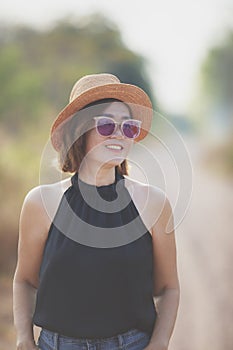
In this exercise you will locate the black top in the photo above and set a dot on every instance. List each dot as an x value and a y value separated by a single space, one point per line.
92 284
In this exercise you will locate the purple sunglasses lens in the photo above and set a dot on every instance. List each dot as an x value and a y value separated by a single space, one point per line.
131 129
105 127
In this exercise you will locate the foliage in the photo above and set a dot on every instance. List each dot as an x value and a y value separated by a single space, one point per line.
217 72
216 83
37 68
37 71
214 104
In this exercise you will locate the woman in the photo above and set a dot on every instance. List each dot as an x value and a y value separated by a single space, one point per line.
93 252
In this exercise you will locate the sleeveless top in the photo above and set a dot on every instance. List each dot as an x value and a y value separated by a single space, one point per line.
96 276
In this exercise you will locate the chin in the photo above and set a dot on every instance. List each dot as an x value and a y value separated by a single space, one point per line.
115 161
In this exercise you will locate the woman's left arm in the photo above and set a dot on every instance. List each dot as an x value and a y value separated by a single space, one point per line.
166 283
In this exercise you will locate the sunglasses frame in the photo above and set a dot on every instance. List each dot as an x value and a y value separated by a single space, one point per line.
121 124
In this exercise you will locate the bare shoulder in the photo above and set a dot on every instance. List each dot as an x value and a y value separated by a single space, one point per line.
150 194
36 193
151 201
43 200
37 212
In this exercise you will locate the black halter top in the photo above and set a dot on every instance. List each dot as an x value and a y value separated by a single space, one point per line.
96 276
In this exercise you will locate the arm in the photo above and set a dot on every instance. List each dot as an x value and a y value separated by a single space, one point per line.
166 284
32 236
24 301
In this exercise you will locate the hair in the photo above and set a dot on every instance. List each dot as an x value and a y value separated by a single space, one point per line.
73 147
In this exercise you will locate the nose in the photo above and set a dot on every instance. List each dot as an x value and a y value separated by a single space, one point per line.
118 133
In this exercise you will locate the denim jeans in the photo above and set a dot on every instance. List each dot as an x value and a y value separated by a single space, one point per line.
133 339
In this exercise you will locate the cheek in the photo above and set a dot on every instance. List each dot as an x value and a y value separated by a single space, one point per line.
92 140
129 145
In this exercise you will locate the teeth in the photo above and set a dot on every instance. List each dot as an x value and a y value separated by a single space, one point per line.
114 146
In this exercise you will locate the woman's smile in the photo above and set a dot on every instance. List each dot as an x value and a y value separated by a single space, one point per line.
114 147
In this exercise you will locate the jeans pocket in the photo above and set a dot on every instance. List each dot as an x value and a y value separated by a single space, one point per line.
44 341
138 342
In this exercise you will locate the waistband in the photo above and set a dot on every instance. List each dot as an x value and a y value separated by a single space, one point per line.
119 339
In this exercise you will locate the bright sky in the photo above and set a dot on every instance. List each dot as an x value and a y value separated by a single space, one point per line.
174 36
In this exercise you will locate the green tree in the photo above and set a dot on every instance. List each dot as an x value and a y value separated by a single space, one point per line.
216 85
39 67
214 104
37 70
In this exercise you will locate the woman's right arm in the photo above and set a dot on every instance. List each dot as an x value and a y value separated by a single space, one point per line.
33 231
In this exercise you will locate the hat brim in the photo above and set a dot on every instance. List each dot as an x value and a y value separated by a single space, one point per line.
139 101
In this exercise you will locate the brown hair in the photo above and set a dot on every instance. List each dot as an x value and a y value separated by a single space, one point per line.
73 147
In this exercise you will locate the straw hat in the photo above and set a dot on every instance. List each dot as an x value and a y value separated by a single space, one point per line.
91 88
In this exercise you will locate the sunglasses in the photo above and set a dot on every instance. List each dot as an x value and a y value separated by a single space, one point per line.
106 126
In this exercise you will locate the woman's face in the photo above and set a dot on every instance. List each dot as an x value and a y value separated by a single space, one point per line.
112 149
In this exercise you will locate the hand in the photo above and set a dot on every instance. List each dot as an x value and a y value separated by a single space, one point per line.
156 346
27 345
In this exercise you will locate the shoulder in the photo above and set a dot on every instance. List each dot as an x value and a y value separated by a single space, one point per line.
155 195
43 200
152 200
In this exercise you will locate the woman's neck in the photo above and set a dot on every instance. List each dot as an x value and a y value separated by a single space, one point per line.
97 176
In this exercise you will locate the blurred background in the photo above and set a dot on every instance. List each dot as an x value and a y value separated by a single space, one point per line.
181 53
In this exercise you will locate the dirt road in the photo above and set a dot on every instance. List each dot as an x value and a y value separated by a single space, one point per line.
205 250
